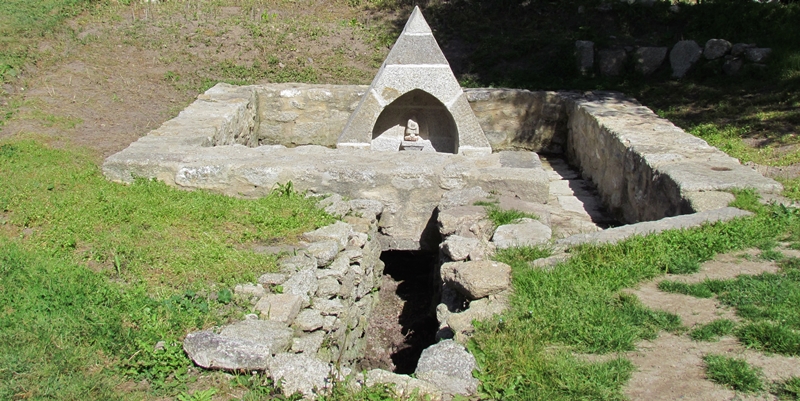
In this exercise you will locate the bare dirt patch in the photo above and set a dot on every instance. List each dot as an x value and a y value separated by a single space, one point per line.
671 366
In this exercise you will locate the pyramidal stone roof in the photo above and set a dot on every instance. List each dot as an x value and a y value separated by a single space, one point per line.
415 62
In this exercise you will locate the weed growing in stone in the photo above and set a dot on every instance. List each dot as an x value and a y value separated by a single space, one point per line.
734 373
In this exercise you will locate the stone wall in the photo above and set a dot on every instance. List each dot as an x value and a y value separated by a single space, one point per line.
646 168
301 114
311 315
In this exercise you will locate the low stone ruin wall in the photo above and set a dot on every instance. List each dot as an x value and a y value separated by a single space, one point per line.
645 168
300 114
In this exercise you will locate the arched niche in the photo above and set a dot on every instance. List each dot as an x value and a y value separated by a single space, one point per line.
435 122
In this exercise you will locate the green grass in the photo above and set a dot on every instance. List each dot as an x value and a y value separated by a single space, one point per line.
734 373
500 217
578 306
676 287
146 231
788 389
69 333
767 302
93 274
712 331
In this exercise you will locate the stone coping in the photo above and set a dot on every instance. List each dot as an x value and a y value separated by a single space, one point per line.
645 167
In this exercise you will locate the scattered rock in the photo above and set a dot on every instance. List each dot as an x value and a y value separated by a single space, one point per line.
460 220
449 366
339 232
300 373
367 208
279 307
584 56
527 232
404 385
716 48
481 278
649 59
274 278
324 251
459 248
683 56
276 336
611 61
738 49
212 351
460 323
309 320
309 343
757 54
249 290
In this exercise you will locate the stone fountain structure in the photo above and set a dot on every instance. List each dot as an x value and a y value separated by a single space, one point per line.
404 161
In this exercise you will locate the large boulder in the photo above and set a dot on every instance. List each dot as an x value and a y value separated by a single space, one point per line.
716 48
584 56
449 366
276 336
477 279
213 351
757 54
459 248
683 56
648 59
526 232
300 373
611 61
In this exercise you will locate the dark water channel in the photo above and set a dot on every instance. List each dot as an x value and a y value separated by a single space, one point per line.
403 323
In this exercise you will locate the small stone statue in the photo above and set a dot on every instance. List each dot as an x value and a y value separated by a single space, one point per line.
412 131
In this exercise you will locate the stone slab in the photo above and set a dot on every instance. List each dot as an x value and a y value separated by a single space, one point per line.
614 235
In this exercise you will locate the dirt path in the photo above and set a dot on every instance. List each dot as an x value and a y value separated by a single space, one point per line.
671 366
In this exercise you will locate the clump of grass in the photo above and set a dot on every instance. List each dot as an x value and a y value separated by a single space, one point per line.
733 373
699 290
770 337
500 217
521 256
771 255
712 331
788 389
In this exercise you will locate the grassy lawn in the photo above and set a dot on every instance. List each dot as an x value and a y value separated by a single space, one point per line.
93 275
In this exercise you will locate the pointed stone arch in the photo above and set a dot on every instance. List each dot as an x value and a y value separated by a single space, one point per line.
415 65
437 129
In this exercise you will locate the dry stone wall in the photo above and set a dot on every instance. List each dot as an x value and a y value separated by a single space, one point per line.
309 319
646 168
301 114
